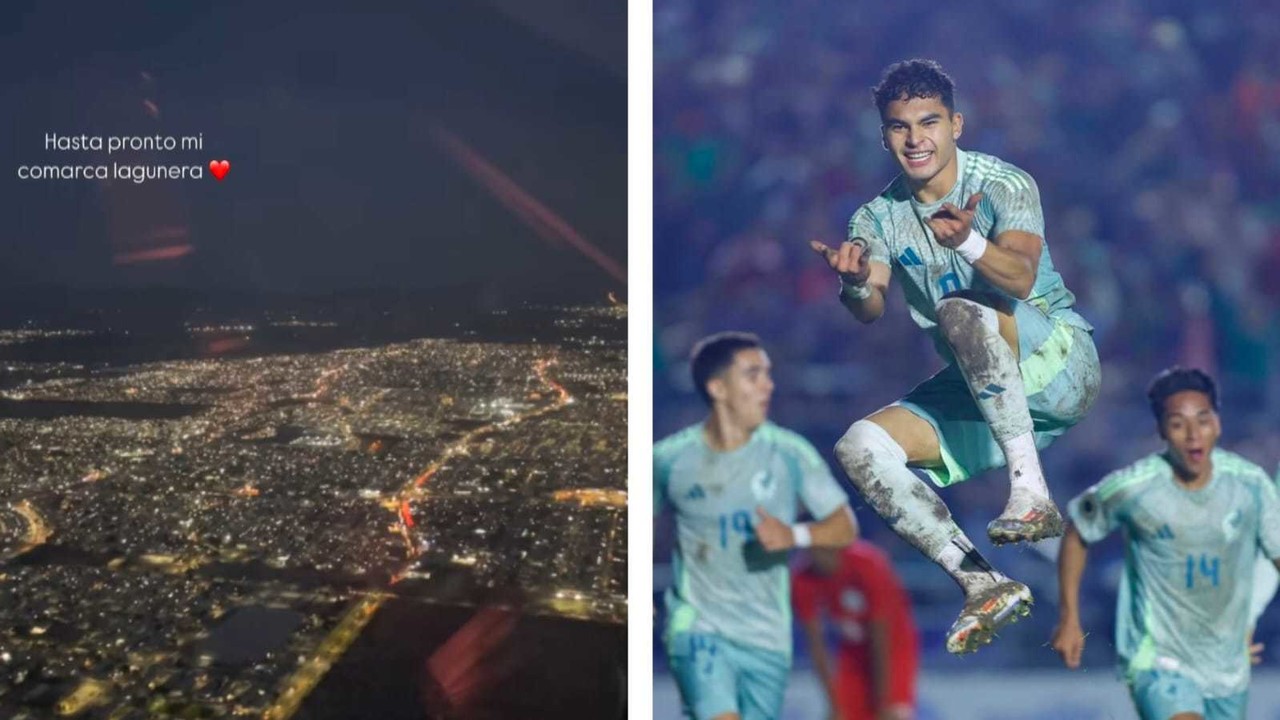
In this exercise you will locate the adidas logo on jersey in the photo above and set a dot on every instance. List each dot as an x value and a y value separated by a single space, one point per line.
695 493
1164 533
909 258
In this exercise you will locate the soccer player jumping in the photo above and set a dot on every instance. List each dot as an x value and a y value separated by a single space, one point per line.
963 233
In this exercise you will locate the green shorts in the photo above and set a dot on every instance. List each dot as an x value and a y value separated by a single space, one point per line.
1060 374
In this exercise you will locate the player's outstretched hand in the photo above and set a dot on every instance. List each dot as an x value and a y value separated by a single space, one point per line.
851 260
951 224
1068 640
772 533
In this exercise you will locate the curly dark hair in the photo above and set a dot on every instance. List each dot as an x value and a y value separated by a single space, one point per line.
1175 380
916 78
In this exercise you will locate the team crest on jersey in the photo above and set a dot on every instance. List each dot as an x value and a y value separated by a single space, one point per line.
853 601
763 485
1231 524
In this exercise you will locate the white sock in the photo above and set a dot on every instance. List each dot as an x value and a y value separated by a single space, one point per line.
988 364
877 465
1025 473
990 369
967 567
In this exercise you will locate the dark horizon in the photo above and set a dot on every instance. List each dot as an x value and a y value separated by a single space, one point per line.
332 123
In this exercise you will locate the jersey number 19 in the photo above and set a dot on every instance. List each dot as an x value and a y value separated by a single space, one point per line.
739 522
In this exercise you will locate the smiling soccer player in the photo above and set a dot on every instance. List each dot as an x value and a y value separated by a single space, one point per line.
963 233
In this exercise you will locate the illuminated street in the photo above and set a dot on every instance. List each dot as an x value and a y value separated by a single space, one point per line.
208 537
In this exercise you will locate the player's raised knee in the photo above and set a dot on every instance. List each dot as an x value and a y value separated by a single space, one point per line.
861 446
958 314
852 445
964 321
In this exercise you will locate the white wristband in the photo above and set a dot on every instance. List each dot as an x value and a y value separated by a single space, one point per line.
973 247
855 292
800 531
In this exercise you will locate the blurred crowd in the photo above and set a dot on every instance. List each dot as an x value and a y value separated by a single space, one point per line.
1153 131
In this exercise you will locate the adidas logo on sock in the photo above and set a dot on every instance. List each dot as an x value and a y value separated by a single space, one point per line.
990 391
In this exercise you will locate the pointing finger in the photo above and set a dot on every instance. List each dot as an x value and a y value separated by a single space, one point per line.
821 248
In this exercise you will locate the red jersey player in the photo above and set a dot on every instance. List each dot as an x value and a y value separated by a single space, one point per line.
858 592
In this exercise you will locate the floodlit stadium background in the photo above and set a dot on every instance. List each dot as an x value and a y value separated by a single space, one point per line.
1153 130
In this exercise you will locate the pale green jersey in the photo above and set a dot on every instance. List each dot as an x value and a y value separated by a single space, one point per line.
725 583
894 228
1189 564
1266 580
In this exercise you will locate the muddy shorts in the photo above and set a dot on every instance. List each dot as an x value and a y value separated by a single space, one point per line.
1060 374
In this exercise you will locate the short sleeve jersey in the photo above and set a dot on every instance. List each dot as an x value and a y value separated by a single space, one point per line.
1265 581
1189 564
893 225
725 583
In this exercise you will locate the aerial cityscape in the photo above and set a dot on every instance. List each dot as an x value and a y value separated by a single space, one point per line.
335 428
208 536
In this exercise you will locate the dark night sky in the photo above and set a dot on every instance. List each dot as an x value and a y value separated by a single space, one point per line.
326 116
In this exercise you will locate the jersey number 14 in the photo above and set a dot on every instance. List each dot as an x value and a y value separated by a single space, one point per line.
1208 567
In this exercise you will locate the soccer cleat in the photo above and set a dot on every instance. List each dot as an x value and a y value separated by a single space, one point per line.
987 612
1027 518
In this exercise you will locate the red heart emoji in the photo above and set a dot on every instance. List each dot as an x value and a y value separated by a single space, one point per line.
219 168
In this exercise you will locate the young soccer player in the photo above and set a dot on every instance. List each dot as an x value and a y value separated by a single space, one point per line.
1194 519
963 233
736 483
